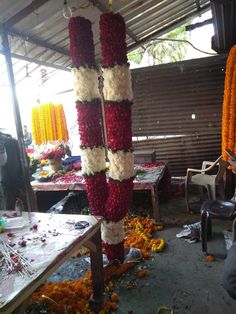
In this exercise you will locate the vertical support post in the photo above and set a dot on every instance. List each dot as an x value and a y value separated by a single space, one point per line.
97 299
23 158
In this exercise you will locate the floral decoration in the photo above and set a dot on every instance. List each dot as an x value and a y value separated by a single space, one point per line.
89 113
139 234
229 109
112 38
89 122
73 296
80 31
53 154
34 159
56 150
118 134
117 92
49 123
114 200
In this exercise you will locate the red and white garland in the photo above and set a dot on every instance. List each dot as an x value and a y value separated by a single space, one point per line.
117 101
88 104
113 200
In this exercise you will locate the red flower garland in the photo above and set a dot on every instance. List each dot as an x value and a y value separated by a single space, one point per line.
89 121
80 31
97 195
119 199
118 121
89 112
118 118
114 251
112 38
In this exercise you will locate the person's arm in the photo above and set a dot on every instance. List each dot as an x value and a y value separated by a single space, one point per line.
3 154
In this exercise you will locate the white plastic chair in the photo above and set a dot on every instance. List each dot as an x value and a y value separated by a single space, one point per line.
202 178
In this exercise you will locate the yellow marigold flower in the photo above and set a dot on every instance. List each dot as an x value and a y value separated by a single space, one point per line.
158 247
43 162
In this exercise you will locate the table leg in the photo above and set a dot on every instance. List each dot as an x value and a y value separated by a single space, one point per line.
155 204
97 299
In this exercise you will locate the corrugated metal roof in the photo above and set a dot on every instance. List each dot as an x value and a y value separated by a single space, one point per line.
38 30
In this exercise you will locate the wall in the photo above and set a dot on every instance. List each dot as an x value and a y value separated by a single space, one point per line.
177 111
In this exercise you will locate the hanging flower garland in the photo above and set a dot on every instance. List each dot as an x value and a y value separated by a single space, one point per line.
49 123
229 105
88 105
117 101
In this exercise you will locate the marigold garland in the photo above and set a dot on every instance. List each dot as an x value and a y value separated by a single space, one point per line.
49 123
139 234
74 295
229 105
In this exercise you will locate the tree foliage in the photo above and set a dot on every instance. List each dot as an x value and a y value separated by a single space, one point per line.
163 51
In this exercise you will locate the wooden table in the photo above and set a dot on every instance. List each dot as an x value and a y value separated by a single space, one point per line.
61 241
148 180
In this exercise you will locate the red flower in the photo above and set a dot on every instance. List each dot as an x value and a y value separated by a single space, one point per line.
53 154
89 121
118 124
96 187
114 251
112 39
119 199
80 31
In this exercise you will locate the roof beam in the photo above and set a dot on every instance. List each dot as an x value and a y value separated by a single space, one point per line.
38 42
46 64
169 27
103 8
34 5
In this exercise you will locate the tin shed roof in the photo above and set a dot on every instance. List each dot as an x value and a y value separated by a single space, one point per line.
38 31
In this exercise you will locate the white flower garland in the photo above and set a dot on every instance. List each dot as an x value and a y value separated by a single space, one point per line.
121 165
112 232
117 83
85 84
93 160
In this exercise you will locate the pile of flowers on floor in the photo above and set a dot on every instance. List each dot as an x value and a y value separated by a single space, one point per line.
73 296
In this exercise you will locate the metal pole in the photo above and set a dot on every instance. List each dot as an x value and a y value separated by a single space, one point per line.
31 204
104 128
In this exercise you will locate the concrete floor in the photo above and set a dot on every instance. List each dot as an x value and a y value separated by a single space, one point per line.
180 277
